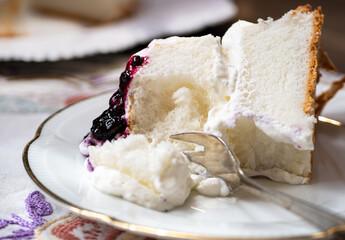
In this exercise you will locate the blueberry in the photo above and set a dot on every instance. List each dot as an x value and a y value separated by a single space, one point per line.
117 110
107 126
124 79
111 122
137 60
117 98
125 76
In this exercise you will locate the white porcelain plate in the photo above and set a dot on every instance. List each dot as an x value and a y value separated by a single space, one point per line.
53 161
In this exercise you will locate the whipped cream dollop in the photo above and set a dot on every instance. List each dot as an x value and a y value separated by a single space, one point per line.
156 176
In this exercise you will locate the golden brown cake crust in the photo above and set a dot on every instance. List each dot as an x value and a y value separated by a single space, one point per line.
313 56
308 106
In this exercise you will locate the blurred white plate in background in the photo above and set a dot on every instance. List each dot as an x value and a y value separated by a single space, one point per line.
48 38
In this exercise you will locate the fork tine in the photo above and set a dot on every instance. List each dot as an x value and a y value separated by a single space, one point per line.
215 163
198 157
199 138
215 156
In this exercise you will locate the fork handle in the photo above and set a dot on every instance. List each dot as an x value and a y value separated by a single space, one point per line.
326 221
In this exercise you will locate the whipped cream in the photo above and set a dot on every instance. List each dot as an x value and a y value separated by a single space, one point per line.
206 184
154 176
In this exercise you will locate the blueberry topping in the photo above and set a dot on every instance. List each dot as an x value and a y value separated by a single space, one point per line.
117 98
111 123
124 79
92 142
118 110
137 60
125 76
107 126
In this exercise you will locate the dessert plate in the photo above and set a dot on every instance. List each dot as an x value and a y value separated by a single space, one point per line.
51 38
53 161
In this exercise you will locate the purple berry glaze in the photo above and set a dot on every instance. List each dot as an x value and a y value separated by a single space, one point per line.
112 124
89 165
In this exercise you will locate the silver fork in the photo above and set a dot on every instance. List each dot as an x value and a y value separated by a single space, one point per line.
219 160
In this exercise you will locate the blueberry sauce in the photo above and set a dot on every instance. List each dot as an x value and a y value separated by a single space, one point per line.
112 124
89 165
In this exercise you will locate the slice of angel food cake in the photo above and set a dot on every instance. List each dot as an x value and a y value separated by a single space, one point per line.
254 88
